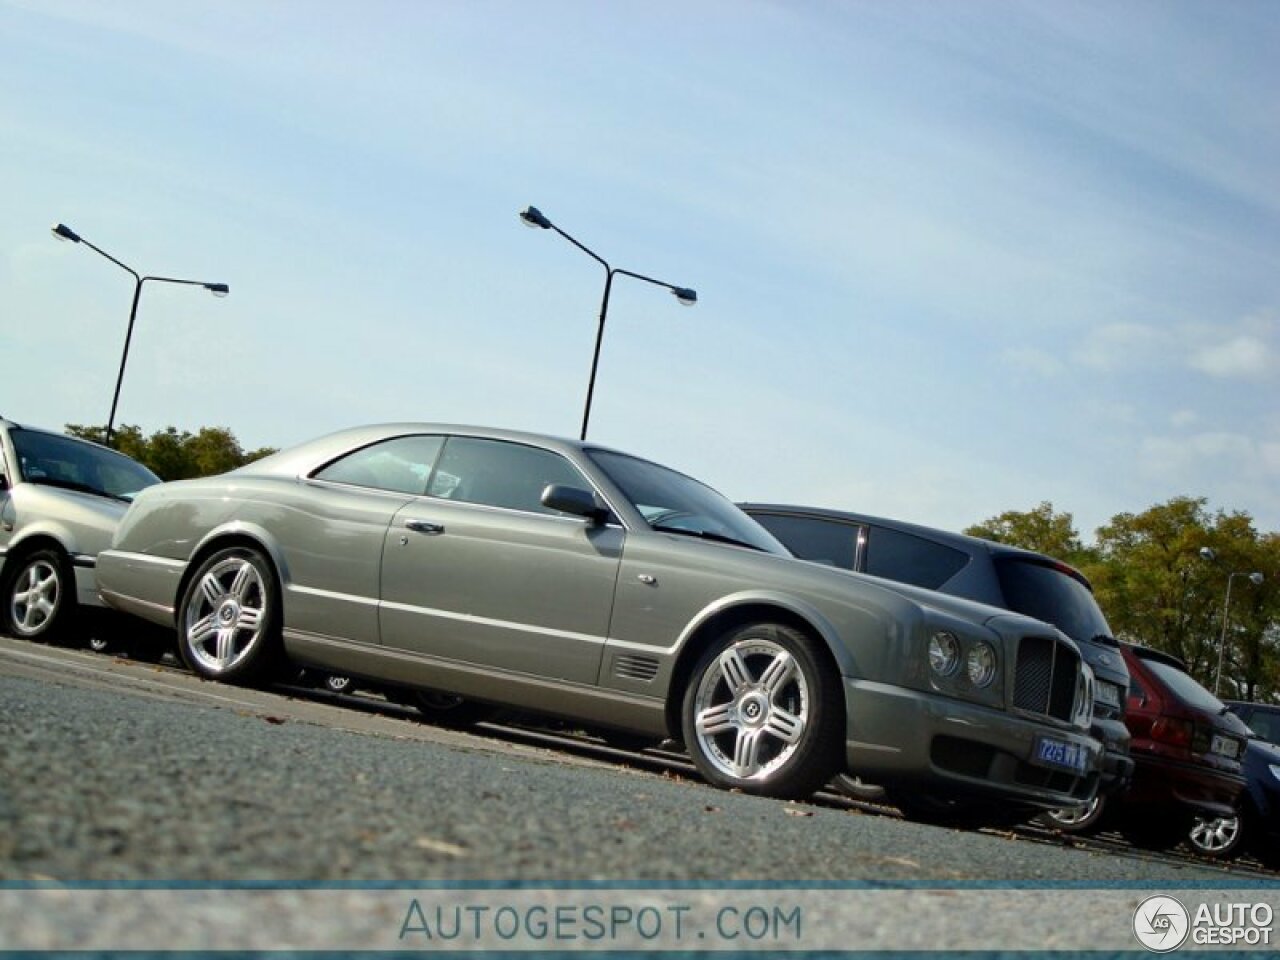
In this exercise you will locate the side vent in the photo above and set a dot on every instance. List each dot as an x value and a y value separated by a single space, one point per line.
630 666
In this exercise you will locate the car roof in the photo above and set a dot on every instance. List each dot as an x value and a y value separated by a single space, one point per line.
959 541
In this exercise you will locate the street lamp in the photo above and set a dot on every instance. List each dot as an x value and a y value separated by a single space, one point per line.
532 217
63 232
1256 579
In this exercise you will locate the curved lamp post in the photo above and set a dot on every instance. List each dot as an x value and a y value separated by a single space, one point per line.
532 217
63 232
1256 579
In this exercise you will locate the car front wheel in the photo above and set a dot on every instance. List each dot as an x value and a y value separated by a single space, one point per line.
1084 819
762 713
229 620
39 596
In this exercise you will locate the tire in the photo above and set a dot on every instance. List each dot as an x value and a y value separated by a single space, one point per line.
338 683
229 618
1083 820
763 713
1222 838
40 596
855 788
449 709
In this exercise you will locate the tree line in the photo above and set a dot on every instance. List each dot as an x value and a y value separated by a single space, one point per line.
1159 588
1147 569
176 455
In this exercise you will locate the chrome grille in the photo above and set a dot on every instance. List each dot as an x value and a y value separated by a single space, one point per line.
1045 677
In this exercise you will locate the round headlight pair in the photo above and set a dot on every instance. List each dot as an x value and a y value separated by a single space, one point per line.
945 656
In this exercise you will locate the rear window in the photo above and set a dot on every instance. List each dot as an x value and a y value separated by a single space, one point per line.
1187 689
1052 595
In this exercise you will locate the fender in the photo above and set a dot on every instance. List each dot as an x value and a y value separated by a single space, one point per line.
244 530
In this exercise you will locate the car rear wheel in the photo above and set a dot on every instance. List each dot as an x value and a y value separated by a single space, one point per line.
337 683
229 621
1219 837
762 713
39 596
449 709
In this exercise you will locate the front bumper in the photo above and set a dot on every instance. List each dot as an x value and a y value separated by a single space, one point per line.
1117 764
943 746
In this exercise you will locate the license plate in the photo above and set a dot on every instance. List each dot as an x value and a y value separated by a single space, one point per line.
1057 753
1109 693
1224 746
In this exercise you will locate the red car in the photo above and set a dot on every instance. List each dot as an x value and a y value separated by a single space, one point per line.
1187 748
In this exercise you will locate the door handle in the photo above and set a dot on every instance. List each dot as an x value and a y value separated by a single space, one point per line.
425 526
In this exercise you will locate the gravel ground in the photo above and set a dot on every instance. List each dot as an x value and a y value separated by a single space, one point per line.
104 784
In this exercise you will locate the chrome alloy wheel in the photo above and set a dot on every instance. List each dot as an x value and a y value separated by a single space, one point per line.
1217 837
33 603
1068 817
225 614
751 709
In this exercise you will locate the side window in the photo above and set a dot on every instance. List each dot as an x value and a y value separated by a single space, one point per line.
497 473
400 465
832 542
1266 725
1137 692
907 558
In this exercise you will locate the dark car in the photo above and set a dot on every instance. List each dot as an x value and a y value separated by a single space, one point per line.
1188 750
1002 576
1255 827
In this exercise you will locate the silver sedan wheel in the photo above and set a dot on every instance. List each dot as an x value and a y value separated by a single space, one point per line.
751 709
1216 838
37 592
225 615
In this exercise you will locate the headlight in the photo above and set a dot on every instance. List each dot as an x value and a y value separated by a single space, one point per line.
1082 710
944 653
981 664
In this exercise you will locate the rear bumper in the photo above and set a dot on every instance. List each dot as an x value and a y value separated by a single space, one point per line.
901 737
1159 781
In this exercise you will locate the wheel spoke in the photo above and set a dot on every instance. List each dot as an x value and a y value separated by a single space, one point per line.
784 725
244 580
734 668
202 630
226 645
746 753
715 720
250 619
211 589
777 674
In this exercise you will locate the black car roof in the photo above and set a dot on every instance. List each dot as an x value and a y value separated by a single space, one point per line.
959 541
1158 656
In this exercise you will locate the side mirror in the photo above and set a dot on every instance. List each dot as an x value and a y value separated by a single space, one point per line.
575 501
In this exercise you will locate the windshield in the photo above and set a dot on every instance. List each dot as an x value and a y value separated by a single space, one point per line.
1187 689
1051 594
672 503
58 461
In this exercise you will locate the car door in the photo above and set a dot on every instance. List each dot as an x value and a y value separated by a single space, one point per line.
480 572
334 534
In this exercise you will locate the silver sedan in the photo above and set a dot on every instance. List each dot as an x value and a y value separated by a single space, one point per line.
470 568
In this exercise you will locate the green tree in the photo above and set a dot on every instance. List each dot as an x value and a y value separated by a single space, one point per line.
1041 529
1157 588
174 455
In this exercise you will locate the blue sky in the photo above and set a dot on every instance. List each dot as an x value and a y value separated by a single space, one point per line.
951 258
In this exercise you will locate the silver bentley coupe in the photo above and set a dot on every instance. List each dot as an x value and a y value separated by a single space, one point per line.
471 568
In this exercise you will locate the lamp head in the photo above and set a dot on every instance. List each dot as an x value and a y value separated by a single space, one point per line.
1256 578
532 217
1206 553
62 232
686 296
218 289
